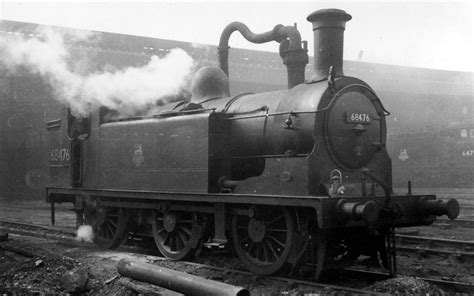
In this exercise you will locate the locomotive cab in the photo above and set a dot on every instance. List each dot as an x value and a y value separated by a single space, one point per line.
67 133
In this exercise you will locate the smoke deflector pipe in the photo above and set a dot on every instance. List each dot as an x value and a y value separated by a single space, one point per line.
294 56
177 281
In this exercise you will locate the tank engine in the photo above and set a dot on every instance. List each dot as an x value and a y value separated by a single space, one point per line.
278 175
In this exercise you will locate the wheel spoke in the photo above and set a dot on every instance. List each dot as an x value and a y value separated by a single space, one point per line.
276 230
173 242
180 242
109 233
186 230
265 253
183 237
259 252
276 219
111 225
166 239
245 239
113 222
252 245
277 241
275 255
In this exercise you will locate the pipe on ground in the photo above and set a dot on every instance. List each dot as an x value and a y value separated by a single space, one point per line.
175 280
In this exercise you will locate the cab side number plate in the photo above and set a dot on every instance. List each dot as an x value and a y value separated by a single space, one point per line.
354 117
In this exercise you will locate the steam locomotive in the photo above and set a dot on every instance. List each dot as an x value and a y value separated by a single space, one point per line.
284 176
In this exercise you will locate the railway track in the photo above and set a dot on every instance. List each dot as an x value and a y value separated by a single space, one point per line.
379 276
301 283
67 235
466 213
467 223
430 245
404 242
39 231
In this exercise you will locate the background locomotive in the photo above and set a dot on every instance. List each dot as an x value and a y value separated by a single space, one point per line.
280 174
444 156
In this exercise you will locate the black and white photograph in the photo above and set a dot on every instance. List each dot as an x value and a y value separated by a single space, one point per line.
217 147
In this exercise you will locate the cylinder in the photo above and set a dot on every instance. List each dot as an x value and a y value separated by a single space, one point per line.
175 280
328 28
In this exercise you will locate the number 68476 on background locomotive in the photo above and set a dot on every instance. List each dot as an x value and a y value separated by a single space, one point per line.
282 176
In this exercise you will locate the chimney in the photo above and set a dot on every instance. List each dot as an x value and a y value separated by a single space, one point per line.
328 28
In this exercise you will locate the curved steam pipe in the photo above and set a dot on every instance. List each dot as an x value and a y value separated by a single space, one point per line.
294 56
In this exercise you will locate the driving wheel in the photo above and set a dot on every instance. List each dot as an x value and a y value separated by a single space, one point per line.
109 225
263 241
176 234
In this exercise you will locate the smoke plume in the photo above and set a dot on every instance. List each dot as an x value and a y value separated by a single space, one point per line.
85 233
125 90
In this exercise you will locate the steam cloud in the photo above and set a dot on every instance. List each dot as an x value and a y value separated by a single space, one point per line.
85 233
126 90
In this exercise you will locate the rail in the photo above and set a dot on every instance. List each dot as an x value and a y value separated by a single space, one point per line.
66 235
